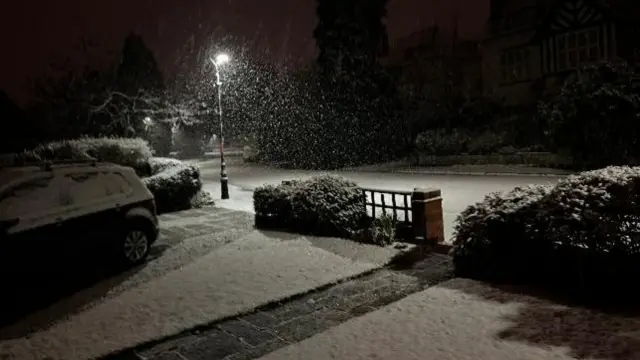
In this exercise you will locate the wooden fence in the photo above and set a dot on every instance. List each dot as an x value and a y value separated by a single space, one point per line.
396 204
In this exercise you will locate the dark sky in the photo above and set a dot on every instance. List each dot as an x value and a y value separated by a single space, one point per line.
35 32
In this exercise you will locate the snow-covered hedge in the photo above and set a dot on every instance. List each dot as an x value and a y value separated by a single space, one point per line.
133 152
158 164
174 186
327 205
582 232
275 201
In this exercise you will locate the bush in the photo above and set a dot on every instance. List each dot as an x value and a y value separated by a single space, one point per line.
488 142
581 234
174 187
123 151
596 117
323 205
158 164
329 205
494 237
442 142
275 201
383 230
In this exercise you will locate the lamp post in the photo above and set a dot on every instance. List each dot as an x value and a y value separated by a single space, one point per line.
224 180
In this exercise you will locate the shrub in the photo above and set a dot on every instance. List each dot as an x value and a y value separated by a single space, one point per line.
596 117
158 164
123 151
323 205
328 205
590 207
488 142
383 230
442 142
202 199
174 187
495 236
275 201
581 234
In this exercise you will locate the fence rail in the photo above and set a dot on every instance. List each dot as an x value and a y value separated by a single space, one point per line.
396 204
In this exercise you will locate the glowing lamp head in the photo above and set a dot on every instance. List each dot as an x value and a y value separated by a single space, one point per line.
222 58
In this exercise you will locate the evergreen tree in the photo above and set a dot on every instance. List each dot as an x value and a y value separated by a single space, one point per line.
351 35
359 96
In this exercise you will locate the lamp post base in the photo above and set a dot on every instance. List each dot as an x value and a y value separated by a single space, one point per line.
224 180
224 187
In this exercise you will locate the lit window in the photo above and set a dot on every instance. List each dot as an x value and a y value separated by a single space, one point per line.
578 48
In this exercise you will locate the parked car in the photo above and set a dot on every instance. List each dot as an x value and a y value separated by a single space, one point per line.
88 211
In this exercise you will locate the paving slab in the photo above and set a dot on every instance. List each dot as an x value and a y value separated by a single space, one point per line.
277 325
464 319
232 279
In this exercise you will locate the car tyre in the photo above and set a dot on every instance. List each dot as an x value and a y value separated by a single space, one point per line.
135 243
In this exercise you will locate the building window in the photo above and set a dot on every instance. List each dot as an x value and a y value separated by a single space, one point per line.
515 65
578 48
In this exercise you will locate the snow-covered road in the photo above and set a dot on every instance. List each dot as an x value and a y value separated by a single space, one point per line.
458 191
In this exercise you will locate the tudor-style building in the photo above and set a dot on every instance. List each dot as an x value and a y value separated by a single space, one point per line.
533 45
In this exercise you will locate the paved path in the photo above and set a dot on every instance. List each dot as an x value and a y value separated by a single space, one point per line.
180 243
278 325
203 276
462 319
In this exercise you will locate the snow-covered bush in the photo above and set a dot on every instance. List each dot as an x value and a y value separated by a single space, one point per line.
275 200
583 232
598 209
157 164
496 235
442 142
328 205
174 187
123 151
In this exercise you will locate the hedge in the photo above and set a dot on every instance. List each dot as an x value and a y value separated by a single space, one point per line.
581 234
133 152
174 186
323 205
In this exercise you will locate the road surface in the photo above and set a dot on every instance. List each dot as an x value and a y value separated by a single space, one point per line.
458 191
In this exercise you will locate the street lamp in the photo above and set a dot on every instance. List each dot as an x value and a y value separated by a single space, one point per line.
224 180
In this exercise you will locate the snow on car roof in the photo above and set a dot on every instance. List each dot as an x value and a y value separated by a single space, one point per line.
11 173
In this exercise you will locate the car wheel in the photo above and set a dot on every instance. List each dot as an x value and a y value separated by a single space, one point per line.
135 244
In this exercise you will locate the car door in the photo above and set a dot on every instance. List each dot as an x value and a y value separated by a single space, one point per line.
30 209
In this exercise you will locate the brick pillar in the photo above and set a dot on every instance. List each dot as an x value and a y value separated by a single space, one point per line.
427 220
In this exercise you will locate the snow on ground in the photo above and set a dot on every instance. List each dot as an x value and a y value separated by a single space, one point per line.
158 265
467 320
486 169
232 279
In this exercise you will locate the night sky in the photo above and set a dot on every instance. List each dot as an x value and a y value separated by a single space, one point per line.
34 32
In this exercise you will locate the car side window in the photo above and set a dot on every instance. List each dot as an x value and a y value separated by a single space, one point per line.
116 184
30 197
83 188
91 187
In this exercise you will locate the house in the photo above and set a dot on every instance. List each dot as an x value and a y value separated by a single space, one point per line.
531 46
434 62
